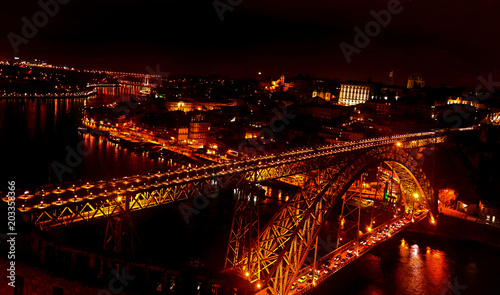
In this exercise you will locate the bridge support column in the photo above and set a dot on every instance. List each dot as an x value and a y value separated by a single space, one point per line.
118 232
350 216
244 229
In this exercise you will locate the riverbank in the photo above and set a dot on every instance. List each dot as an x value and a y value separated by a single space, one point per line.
83 94
460 229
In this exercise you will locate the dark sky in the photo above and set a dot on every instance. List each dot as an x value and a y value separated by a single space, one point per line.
445 41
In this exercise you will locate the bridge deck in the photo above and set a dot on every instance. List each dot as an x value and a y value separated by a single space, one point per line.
373 238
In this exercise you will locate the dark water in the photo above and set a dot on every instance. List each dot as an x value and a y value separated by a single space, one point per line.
34 133
37 132
413 263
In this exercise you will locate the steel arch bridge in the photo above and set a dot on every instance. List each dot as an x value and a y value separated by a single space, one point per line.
276 256
269 257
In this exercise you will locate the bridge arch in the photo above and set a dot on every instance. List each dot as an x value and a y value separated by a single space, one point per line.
408 170
283 244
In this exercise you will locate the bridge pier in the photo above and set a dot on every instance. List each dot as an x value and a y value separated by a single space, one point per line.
244 229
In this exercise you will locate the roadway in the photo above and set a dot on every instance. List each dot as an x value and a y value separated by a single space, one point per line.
350 252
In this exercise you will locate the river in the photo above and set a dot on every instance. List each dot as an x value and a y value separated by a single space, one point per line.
36 133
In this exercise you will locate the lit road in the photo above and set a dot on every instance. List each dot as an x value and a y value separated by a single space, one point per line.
349 252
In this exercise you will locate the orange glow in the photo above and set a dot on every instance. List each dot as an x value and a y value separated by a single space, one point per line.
447 197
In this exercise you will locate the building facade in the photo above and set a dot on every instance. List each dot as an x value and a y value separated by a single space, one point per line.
354 93
198 130
326 95
415 81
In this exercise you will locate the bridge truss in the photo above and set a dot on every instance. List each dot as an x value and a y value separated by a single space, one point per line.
269 257
275 259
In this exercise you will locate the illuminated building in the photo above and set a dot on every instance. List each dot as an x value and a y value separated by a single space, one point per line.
460 100
189 105
415 81
251 134
198 130
354 93
489 212
276 85
327 95
467 207
493 118
391 78
182 134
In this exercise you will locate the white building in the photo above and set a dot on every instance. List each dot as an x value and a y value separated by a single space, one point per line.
354 93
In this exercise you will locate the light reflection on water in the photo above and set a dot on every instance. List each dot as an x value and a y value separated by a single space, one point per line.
36 132
416 264
421 271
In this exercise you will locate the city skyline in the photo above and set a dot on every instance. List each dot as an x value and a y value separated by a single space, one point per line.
272 38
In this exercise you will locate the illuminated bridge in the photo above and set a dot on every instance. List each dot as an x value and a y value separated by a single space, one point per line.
272 258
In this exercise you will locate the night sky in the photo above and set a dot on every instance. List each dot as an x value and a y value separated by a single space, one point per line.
446 41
